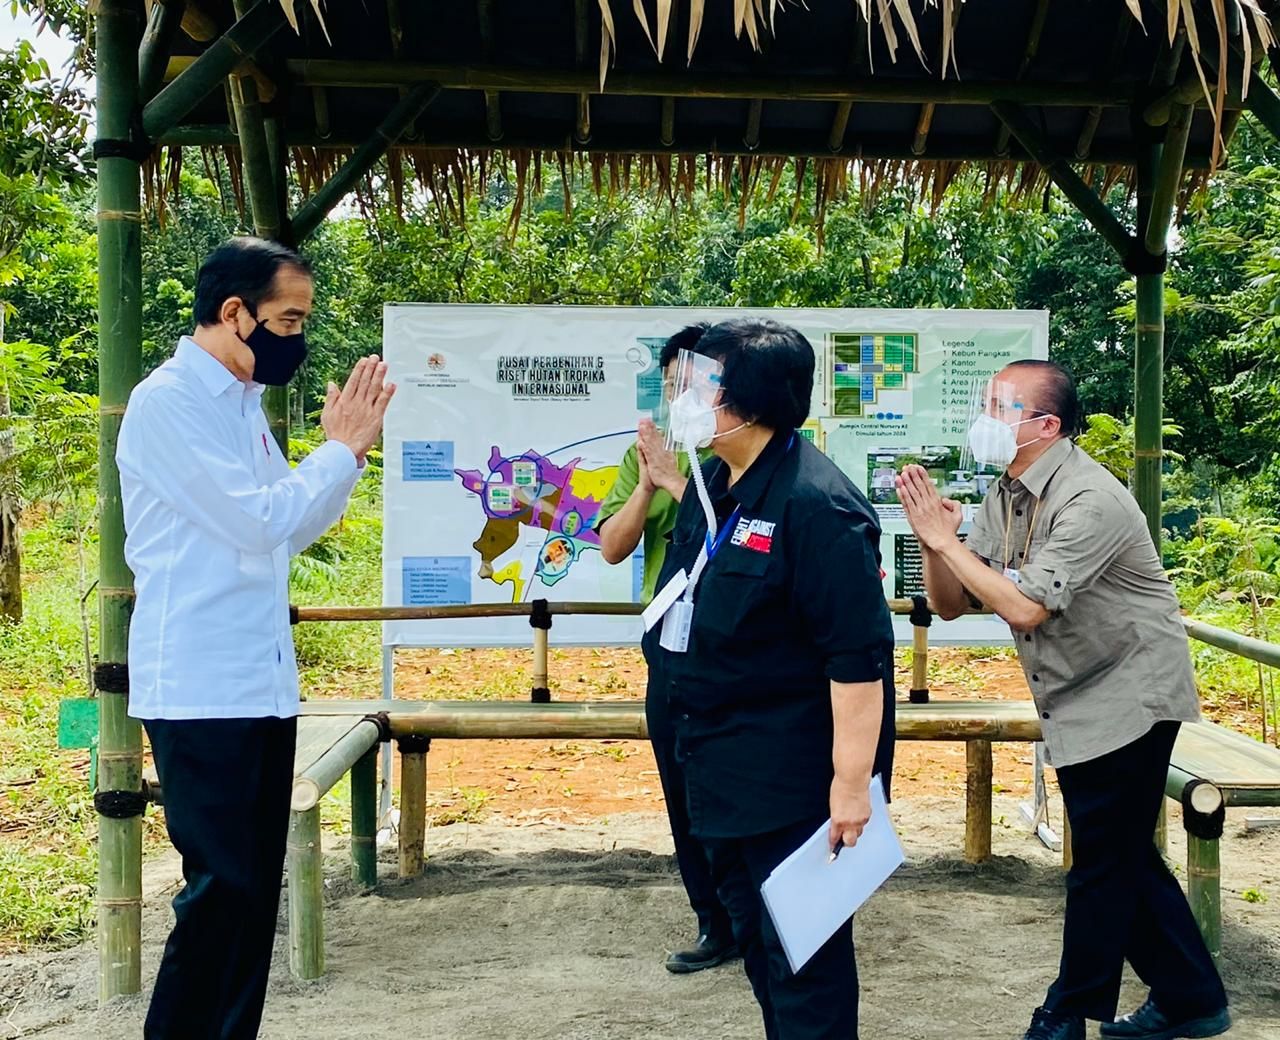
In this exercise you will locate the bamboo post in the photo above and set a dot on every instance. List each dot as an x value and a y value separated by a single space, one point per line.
306 895
1068 857
413 803
919 665
1204 889
119 29
977 801
364 819
540 622
1148 381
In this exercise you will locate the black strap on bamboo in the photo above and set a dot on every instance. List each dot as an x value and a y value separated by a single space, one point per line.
120 805
137 146
540 616
383 721
111 678
921 615
1205 826
413 744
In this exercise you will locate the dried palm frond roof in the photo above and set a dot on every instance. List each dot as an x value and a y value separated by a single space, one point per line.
862 88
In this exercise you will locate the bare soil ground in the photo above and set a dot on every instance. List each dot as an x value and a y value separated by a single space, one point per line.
534 927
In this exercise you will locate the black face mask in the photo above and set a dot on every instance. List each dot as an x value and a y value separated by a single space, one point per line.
276 358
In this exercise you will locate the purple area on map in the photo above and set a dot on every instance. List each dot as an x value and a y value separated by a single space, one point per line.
551 478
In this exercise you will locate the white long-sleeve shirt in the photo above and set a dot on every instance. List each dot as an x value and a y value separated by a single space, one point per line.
212 514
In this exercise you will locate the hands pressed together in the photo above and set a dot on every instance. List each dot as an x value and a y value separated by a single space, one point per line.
658 467
353 415
934 519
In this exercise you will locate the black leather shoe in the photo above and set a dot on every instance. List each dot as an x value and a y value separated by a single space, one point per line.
1049 1025
706 954
1150 1023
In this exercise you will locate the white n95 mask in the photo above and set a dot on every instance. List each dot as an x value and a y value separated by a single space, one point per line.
993 442
692 420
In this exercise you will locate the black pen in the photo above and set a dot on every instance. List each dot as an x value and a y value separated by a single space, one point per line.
835 852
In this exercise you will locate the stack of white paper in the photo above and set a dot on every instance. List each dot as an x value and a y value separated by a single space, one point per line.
809 897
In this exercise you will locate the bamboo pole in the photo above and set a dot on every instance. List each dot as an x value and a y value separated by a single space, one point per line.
205 74
163 25
541 678
977 801
522 79
1204 889
1241 645
625 720
306 895
314 784
413 802
839 125
1168 178
1068 855
919 693
119 29
667 123
1148 382
309 216
482 610
364 819
1092 208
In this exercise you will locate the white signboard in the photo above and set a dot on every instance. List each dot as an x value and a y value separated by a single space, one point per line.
506 432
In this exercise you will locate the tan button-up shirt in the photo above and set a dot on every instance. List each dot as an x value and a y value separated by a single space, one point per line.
1112 659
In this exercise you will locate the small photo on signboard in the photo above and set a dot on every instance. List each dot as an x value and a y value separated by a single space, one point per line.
943 462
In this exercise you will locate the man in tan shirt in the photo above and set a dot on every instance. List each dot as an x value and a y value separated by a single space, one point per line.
1060 550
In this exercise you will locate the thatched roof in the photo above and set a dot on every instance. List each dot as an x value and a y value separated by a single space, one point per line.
691 88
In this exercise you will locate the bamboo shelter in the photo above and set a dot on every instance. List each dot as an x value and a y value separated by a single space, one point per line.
665 93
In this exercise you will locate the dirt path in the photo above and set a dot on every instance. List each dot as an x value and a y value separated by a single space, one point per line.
536 928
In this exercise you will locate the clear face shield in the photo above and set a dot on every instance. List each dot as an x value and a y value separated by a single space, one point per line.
996 412
692 393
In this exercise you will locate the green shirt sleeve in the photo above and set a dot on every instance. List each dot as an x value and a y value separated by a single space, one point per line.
623 485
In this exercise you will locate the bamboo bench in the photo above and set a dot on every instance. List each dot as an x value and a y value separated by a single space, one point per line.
337 736
1212 768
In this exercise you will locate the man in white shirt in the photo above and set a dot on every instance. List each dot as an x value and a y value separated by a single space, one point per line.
213 512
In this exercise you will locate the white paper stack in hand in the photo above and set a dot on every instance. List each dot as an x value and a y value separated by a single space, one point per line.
809 895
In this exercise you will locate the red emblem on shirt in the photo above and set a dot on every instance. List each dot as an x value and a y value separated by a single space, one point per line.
756 535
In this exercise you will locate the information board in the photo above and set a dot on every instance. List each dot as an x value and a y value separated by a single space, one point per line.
509 423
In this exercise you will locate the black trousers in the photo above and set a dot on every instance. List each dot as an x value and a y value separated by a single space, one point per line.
226 785
691 853
1122 902
821 1001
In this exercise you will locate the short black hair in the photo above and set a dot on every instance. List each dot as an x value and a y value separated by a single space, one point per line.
686 339
768 370
245 267
1058 395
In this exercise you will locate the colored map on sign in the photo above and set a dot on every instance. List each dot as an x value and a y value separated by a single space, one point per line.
864 365
527 493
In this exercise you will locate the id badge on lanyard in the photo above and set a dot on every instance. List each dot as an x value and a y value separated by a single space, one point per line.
677 613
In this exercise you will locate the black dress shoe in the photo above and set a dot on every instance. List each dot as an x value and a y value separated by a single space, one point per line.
1150 1023
1049 1025
706 954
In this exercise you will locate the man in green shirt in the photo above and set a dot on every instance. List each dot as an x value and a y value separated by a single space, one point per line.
642 504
